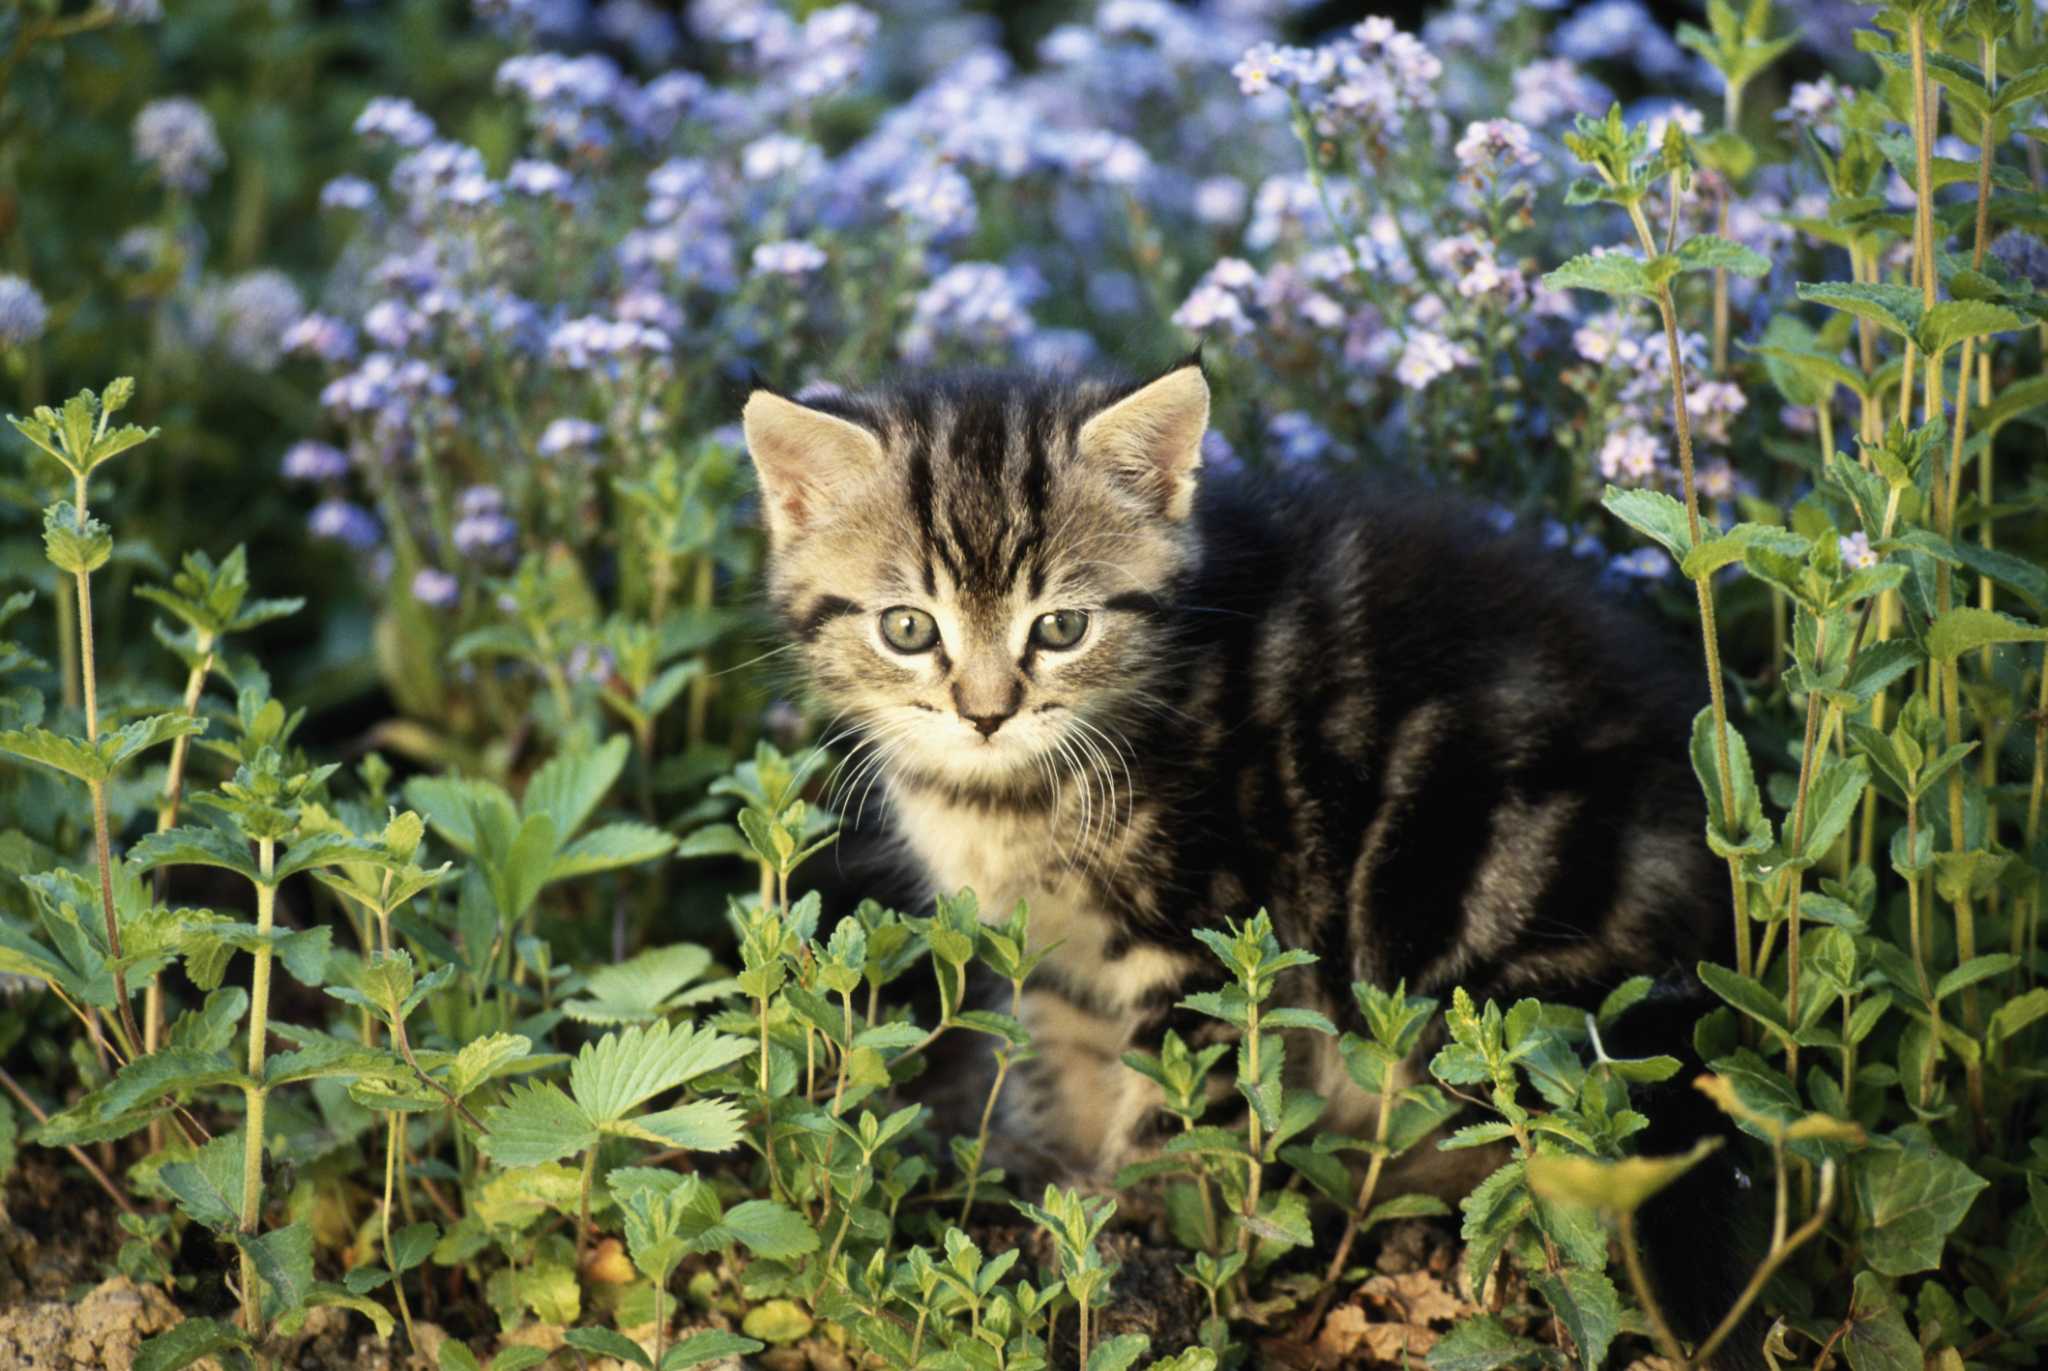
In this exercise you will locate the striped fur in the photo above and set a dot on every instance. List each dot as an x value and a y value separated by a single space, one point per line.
1432 752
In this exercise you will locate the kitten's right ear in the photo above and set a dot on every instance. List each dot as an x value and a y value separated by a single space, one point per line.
802 456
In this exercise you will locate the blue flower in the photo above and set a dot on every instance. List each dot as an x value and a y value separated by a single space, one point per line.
1643 564
789 257
308 460
394 120
175 138
938 200
975 303
564 436
344 523
435 588
320 336
23 314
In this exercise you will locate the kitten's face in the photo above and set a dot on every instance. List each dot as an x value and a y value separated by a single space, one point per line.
970 569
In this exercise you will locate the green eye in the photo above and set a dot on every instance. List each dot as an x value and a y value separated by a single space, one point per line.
1061 629
909 630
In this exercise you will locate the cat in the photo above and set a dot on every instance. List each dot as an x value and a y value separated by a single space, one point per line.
1145 699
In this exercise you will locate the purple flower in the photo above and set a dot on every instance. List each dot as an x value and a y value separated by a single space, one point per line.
1427 356
789 257
320 336
1630 456
564 436
393 325
23 314
1552 89
308 460
639 26
1619 29
175 138
435 588
1643 564
351 193
1857 553
489 531
1491 147
781 155
251 316
1298 438
1210 307
581 343
975 303
344 523
938 200
1220 201
2024 256
541 180
395 120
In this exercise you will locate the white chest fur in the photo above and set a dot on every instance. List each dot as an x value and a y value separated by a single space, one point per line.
1005 857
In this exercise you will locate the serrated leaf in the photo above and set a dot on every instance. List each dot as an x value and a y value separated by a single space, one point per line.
1895 308
1611 273
1909 1200
1707 252
605 1342
622 1070
190 1341
536 1124
610 847
283 1257
1653 514
1965 629
571 785
1587 1304
480 1060
713 1125
771 1230
711 1345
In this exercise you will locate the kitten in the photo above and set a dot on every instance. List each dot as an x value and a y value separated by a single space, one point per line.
1145 701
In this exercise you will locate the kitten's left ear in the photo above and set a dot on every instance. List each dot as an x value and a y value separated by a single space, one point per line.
1152 438
804 458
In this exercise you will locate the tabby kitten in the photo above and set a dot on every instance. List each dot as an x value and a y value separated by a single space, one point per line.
1146 705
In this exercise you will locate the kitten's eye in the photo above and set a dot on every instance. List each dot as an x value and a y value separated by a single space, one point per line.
1060 629
909 630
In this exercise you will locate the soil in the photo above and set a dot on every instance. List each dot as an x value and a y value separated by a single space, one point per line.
63 1307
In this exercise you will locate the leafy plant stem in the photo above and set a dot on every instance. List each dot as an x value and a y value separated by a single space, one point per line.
391 1146
583 1187
988 1108
1781 1249
1359 1208
1795 877
253 1092
1632 1257
1682 421
1254 1163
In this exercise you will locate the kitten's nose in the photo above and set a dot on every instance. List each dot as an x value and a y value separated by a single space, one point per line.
986 724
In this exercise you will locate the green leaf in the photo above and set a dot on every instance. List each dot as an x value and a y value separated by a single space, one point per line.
1966 629
569 788
482 1058
1706 252
1895 308
189 1342
1746 831
605 1342
1951 321
1620 1185
284 1259
56 751
193 845
710 1345
701 1125
771 1230
1909 1200
610 847
209 1186
776 1321
1483 1343
620 1071
646 986
1588 1306
1119 1353
1653 514
536 1124
411 1244
72 547
1610 273
1878 1338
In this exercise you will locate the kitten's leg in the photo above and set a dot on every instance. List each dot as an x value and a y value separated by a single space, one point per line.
1075 1101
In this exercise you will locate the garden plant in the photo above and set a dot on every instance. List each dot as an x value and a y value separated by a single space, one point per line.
431 934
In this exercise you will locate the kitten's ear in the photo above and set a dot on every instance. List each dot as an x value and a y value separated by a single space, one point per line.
802 455
1152 438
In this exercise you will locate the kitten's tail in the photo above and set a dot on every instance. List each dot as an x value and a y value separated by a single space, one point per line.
1703 1235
